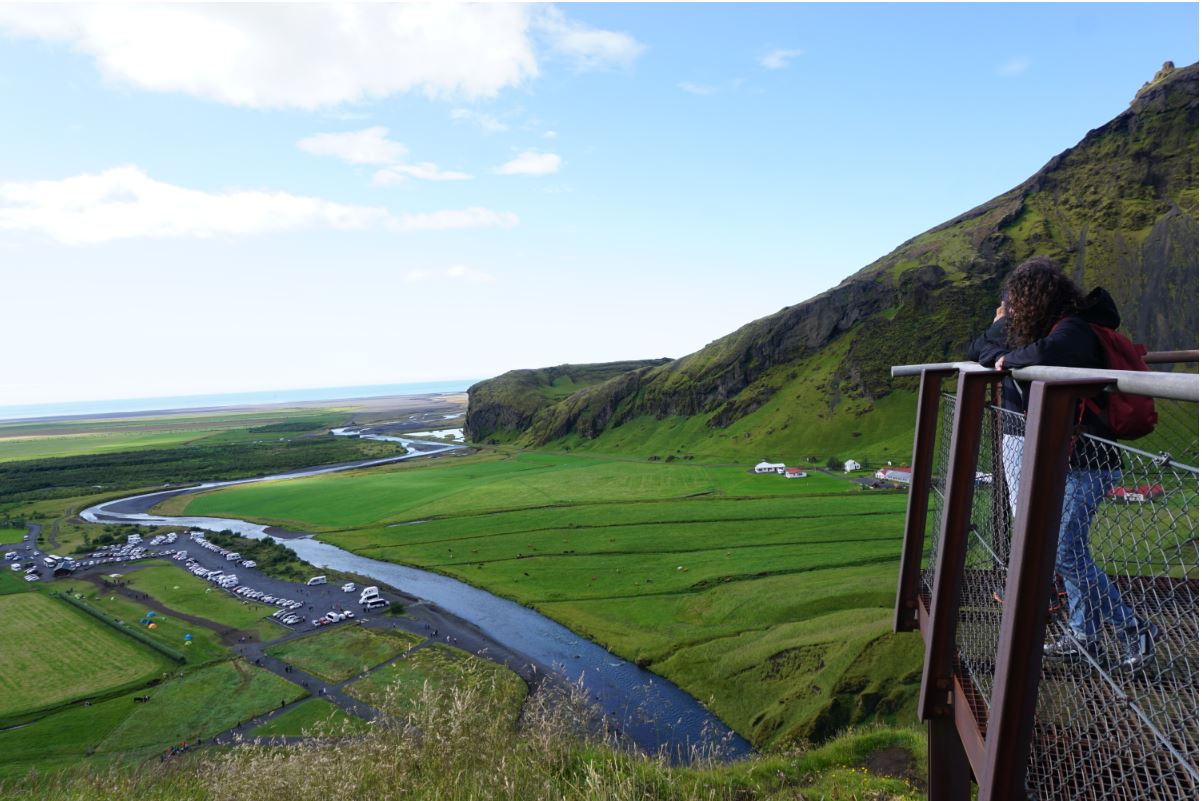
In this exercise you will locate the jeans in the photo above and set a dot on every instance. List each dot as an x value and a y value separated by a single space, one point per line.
1092 599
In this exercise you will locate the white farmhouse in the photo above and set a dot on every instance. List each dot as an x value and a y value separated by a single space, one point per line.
850 464
769 467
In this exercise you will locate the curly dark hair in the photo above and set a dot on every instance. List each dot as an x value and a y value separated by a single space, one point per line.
1037 294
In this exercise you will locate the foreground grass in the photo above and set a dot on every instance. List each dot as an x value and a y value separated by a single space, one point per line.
768 599
453 744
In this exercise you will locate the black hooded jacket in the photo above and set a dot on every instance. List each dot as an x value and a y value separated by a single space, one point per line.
1070 343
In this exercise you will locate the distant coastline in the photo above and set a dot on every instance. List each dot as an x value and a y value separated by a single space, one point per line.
178 403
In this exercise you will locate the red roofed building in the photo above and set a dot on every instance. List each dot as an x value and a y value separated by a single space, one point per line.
1141 494
902 475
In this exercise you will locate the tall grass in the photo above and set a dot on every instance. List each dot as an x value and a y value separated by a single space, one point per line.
455 744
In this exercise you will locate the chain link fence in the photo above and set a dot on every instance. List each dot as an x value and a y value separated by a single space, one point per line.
1117 711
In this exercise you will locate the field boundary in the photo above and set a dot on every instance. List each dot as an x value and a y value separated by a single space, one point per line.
166 651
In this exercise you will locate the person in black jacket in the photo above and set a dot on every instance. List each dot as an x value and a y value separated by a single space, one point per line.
1044 318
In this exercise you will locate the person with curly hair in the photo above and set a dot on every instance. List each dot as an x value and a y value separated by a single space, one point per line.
1044 318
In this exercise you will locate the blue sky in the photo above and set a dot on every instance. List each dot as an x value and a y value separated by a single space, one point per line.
215 199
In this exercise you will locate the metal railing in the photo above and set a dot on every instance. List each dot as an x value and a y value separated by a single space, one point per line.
1024 535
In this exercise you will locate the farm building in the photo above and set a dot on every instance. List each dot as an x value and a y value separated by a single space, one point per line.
850 464
794 472
769 467
899 474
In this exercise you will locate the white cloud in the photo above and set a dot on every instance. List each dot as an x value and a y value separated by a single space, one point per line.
125 203
550 134
372 146
1015 66
487 122
458 272
778 59
699 88
705 89
588 48
452 219
369 146
531 162
423 171
312 56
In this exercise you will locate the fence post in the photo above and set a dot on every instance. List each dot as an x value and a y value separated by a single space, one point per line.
934 700
925 427
1047 439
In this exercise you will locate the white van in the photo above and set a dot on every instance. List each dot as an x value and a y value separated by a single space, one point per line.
368 592
233 556
348 587
10 555
316 580
376 603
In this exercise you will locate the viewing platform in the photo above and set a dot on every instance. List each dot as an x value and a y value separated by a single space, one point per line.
978 580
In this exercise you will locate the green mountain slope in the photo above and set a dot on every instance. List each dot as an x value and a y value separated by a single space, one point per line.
1119 209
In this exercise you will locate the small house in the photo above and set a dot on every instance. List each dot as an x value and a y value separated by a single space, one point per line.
850 464
794 472
769 467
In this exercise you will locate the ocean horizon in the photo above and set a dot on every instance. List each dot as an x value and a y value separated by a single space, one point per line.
10 413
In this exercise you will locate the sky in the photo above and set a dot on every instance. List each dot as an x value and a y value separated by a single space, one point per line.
203 198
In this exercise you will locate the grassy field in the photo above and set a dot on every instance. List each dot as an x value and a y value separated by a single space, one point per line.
315 716
11 534
12 582
42 447
180 590
53 653
768 599
341 653
399 686
198 704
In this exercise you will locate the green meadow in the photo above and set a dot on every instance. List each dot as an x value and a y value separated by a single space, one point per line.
768 599
197 704
315 716
53 653
337 655
438 668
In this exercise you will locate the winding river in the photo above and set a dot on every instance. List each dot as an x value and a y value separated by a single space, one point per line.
652 711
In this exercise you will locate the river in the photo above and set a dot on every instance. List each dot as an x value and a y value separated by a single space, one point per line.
652 711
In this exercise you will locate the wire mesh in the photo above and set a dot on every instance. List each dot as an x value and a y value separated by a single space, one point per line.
939 467
1117 710
994 499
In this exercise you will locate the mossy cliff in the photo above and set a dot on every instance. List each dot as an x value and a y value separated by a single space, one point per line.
1120 209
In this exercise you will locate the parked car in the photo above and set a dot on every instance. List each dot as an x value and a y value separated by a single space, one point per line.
348 587
315 581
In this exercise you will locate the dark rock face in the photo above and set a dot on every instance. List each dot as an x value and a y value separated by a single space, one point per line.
1120 209
507 404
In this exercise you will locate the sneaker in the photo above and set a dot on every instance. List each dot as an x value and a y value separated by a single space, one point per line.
1070 648
1139 645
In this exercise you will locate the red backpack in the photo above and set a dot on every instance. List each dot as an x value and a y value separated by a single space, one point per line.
1129 416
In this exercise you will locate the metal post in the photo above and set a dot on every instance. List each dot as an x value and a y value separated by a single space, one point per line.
1048 437
934 700
1000 500
948 772
925 427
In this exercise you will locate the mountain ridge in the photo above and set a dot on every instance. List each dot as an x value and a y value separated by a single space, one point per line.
1120 209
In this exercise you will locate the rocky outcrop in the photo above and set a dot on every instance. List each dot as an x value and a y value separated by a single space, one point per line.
502 407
